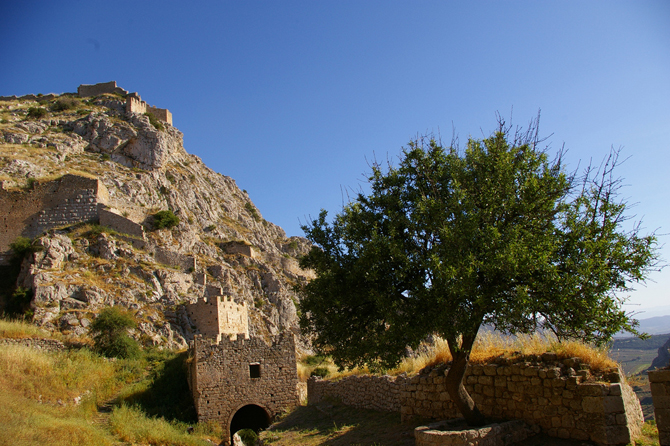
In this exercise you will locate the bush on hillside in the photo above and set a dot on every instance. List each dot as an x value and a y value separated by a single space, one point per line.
165 220
110 334
158 125
36 113
64 104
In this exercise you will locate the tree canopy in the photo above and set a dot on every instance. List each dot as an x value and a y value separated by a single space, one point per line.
450 239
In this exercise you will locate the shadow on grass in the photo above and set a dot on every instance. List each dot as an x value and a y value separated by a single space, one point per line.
166 393
338 425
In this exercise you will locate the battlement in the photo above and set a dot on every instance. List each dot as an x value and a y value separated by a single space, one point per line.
220 316
134 103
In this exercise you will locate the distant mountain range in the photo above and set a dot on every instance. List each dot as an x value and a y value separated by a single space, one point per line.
653 326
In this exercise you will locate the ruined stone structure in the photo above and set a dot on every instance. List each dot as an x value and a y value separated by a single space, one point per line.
660 394
549 394
219 316
240 248
64 201
134 103
238 381
243 383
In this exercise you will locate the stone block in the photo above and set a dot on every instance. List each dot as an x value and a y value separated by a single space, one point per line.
659 389
592 404
657 376
661 402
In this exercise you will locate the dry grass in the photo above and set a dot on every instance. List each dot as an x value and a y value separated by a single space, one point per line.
488 346
131 425
18 329
52 398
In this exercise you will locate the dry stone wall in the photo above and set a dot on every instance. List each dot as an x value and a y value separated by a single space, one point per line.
660 394
231 374
551 394
364 392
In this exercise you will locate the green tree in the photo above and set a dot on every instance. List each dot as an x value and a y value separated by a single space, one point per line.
110 334
452 239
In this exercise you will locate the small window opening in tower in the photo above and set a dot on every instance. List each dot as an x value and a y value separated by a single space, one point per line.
255 370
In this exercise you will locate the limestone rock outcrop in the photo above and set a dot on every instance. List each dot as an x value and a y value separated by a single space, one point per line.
80 268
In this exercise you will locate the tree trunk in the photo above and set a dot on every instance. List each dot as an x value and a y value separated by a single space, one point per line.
457 391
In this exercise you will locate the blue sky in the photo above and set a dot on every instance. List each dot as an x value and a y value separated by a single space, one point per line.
292 99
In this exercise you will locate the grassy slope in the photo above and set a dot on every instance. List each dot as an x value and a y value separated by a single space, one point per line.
53 398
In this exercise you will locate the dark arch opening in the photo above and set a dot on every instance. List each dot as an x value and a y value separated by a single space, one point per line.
250 416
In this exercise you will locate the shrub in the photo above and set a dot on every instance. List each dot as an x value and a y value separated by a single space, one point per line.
36 113
252 210
110 334
248 437
64 104
165 219
155 122
321 372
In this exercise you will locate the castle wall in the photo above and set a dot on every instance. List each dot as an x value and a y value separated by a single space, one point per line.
660 394
222 383
174 259
219 315
65 201
135 104
240 248
547 395
160 113
98 89
120 223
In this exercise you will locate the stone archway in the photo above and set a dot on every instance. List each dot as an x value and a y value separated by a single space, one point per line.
250 416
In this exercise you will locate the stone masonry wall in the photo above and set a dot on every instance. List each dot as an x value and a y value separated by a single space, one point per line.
98 89
175 259
67 200
135 104
364 392
660 394
120 223
550 394
219 315
222 382
160 113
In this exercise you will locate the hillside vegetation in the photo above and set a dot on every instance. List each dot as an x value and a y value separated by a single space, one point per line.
76 397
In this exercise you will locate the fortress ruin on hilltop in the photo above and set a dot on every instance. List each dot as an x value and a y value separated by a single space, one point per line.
238 381
134 103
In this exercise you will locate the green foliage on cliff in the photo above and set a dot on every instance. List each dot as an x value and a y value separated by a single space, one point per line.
110 334
165 220
155 121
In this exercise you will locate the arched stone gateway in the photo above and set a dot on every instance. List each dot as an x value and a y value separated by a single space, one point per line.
252 417
243 383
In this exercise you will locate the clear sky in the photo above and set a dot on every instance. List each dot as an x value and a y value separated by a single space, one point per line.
293 98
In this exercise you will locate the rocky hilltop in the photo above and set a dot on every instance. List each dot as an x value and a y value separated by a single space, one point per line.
220 246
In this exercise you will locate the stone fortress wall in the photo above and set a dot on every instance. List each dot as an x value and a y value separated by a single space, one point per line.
659 381
550 394
64 201
217 316
134 103
238 381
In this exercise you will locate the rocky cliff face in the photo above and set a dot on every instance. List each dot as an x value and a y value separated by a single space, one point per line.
663 358
84 268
